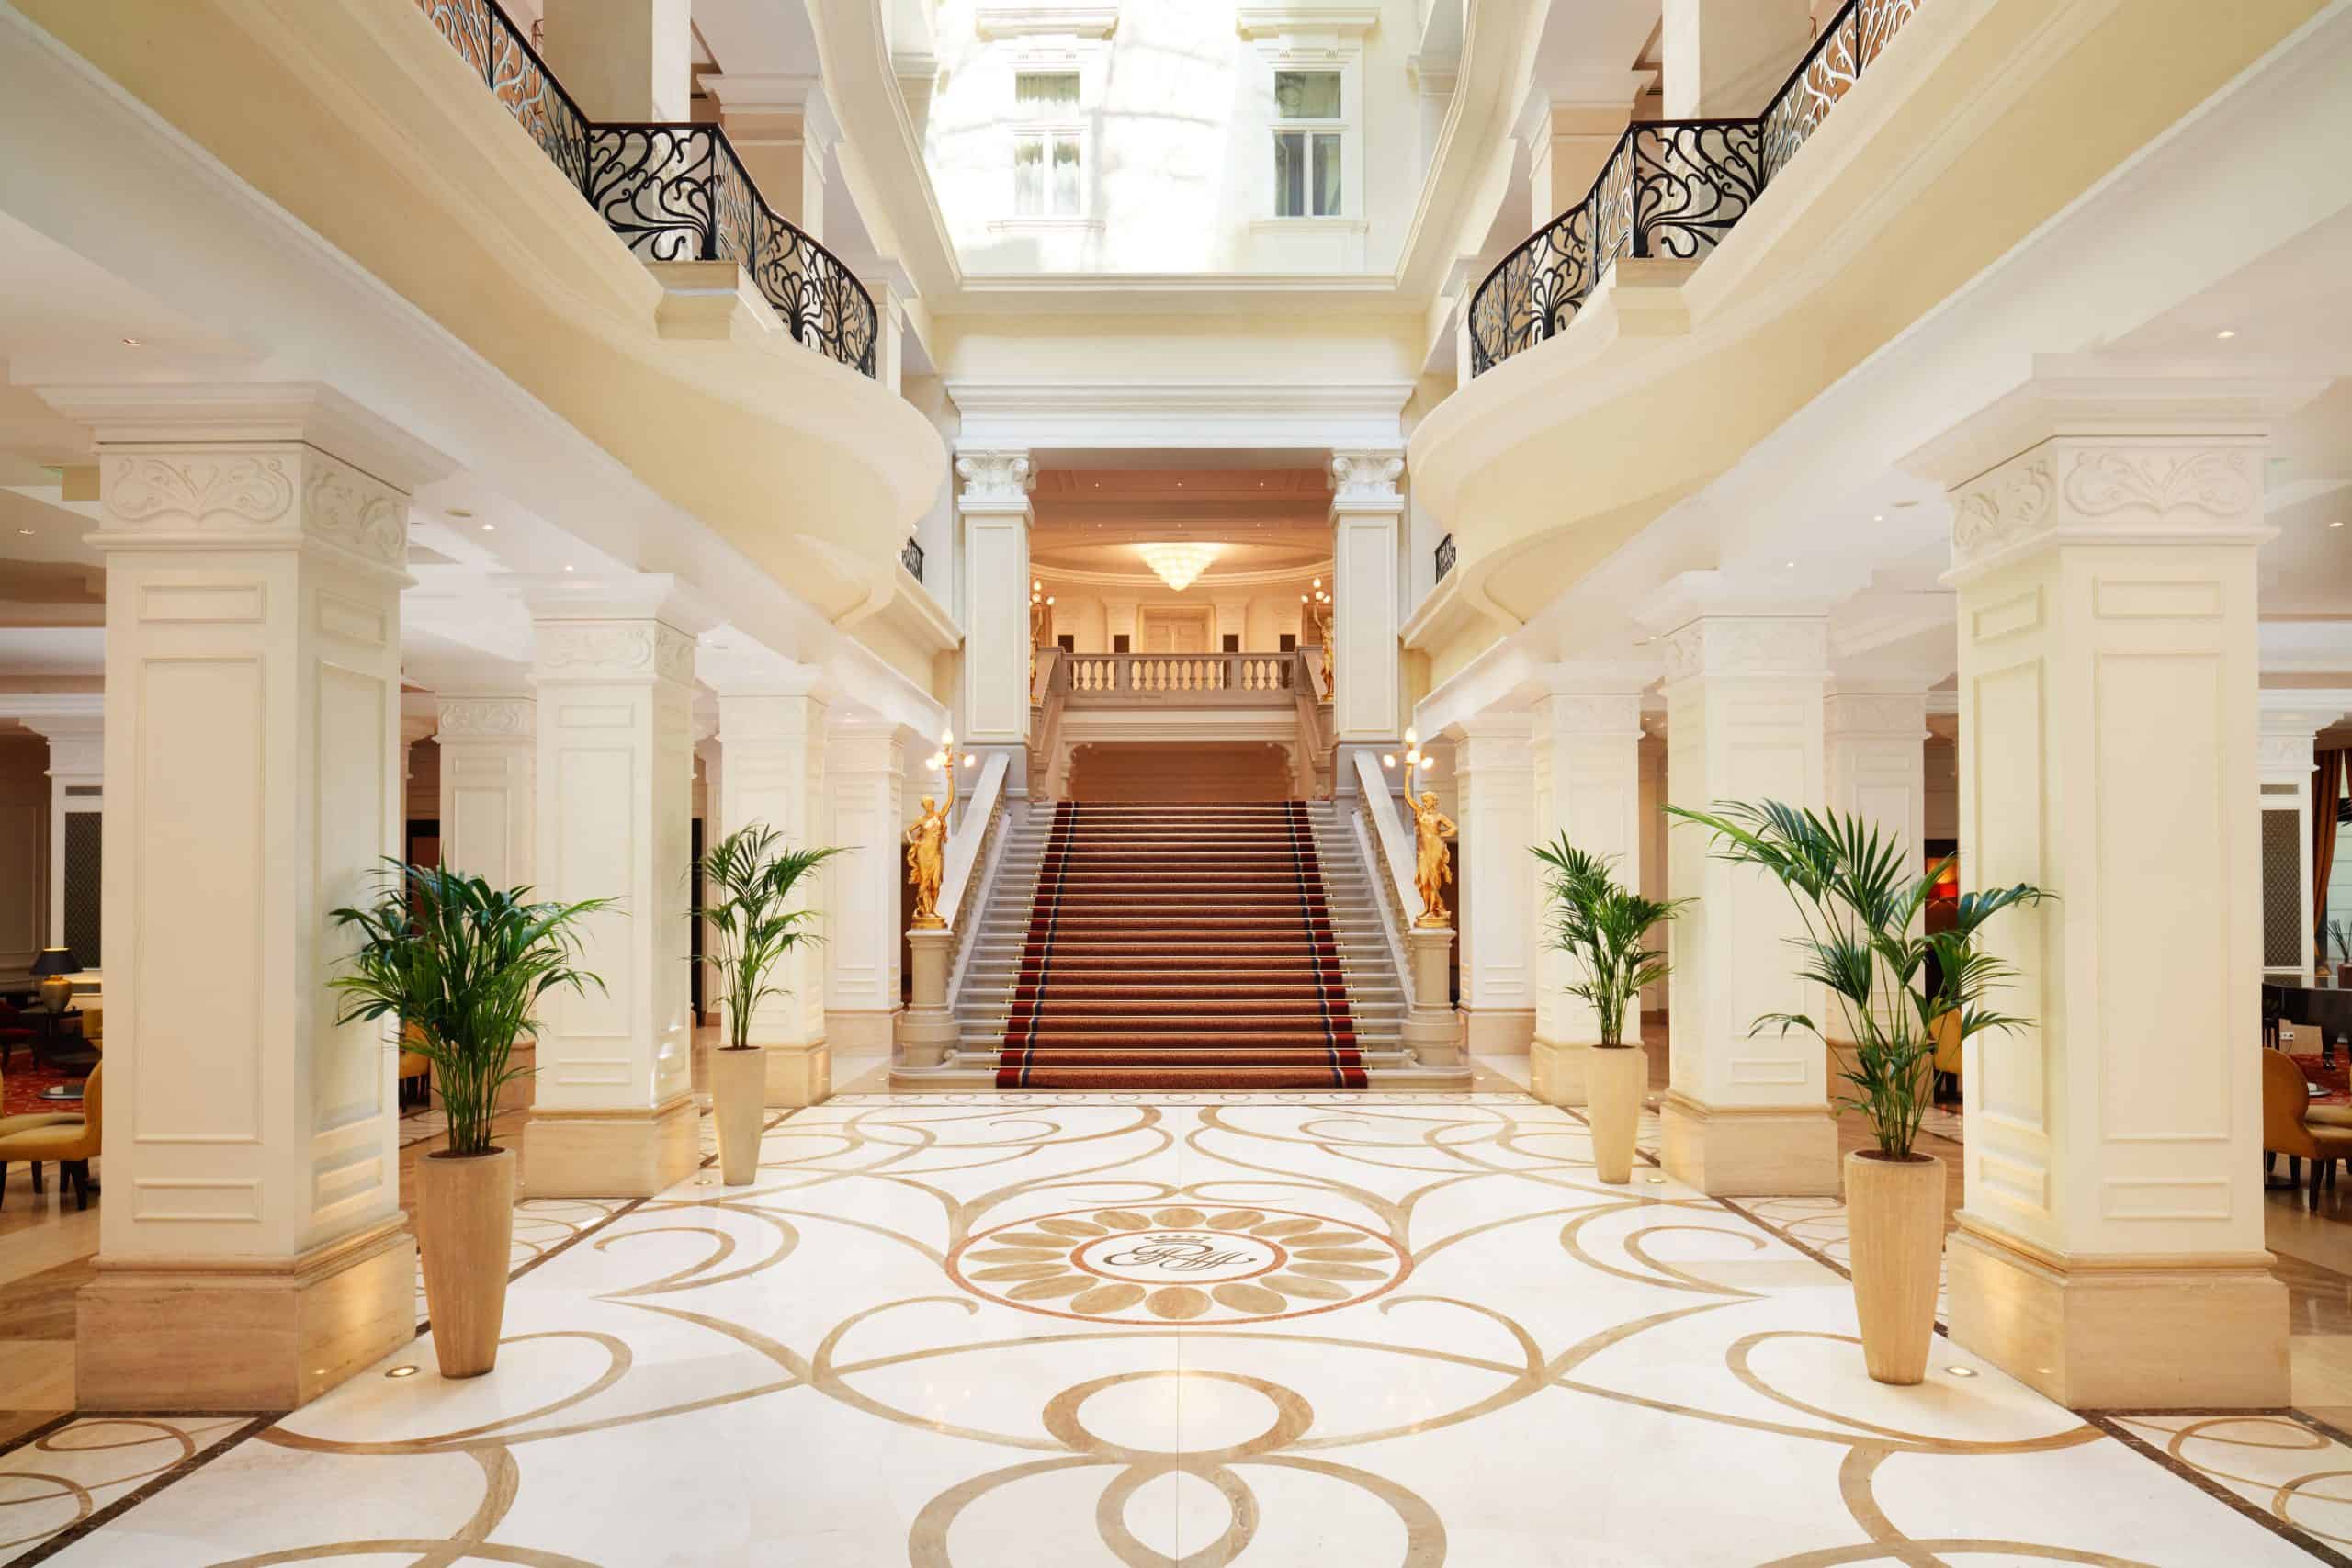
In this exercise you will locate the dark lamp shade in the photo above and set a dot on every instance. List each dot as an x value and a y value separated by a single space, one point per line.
55 960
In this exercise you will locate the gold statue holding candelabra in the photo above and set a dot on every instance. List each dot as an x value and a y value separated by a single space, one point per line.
1041 625
927 839
1317 618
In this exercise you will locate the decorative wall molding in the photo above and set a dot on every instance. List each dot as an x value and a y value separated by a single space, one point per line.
2075 488
346 507
1362 476
996 478
613 650
1590 716
1044 21
1260 22
1186 415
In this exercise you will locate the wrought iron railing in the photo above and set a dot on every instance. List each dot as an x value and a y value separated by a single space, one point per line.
670 192
1671 188
1445 556
911 559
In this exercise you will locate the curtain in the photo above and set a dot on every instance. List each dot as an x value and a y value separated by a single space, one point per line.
2327 784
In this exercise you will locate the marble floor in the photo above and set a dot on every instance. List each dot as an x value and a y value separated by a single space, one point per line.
1249 1329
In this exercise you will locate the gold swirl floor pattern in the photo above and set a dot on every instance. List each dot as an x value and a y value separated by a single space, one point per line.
1259 1330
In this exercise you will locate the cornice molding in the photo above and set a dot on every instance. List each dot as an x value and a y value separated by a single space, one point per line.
1190 415
992 22
1257 22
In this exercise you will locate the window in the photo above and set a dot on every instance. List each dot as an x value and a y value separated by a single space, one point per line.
1048 144
1290 642
1068 641
1119 641
1310 126
1230 642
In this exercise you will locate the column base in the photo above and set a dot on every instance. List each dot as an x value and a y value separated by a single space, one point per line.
2163 1332
611 1154
866 1031
1742 1151
1555 1074
1499 1031
187 1334
799 1075
925 1037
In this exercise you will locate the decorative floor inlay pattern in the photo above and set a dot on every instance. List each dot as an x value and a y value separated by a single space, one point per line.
57 1479
1534 1370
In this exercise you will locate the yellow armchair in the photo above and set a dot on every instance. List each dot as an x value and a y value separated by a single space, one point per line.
73 1142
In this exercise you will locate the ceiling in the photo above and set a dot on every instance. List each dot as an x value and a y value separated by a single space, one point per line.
1268 519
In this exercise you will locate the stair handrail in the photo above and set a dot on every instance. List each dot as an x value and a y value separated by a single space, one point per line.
1392 913
964 847
1388 828
986 865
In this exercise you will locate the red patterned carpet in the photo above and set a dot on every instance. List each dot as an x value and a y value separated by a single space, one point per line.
1180 947
20 1089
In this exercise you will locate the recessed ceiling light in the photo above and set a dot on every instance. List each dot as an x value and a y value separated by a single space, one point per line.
1657 1180
1790 565
28 530
2337 524
2227 333
1961 1371
132 342
490 527
567 569
1879 517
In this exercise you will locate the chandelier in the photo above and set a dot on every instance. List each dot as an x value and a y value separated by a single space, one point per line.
1178 564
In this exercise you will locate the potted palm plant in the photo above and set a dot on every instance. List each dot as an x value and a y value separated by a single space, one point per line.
463 965
750 878
1864 944
1605 926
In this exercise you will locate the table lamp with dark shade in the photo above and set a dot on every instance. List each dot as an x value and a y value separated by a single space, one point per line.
54 966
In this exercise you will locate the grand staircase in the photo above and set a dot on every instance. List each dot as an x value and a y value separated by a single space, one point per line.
1179 946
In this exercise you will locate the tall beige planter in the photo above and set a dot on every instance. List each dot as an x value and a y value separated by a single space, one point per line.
466 1231
1894 1218
1615 1077
739 1096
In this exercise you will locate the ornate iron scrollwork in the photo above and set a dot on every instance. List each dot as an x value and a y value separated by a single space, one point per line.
670 192
1671 188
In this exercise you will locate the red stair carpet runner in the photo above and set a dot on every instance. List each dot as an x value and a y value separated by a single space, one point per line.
1180 947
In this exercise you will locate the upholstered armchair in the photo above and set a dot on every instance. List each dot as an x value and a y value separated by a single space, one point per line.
2285 1130
73 1142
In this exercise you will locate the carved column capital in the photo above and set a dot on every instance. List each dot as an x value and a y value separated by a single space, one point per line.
1362 476
995 478
2125 489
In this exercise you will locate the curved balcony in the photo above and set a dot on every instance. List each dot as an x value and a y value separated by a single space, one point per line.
670 192
1671 188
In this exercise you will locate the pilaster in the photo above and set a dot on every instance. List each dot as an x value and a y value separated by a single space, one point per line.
785 130
251 1251
1585 752
1367 525
489 785
1493 786
630 61
1747 1112
614 671
864 774
2110 1242
2290 725
994 505
1726 58
772 717
1874 741
75 727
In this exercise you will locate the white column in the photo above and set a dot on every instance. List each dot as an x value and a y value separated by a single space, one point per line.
2289 727
995 509
1586 757
77 775
1728 57
1494 784
2111 1245
771 718
624 59
1569 143
489 792
1875 740
612 667
1747 1114
251 1251
865 775
1367 518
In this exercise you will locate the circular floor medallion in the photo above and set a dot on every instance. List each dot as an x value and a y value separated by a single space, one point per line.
1177 1264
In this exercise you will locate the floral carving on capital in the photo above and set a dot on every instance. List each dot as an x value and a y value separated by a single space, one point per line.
2010 504
996 476
2213 481
1748 645
627 650
198 490
346 507
488 718
1366 476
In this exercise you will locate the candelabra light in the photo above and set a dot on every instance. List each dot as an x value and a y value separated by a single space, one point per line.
1415 759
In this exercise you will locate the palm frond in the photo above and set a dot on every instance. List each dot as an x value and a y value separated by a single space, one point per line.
756 879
